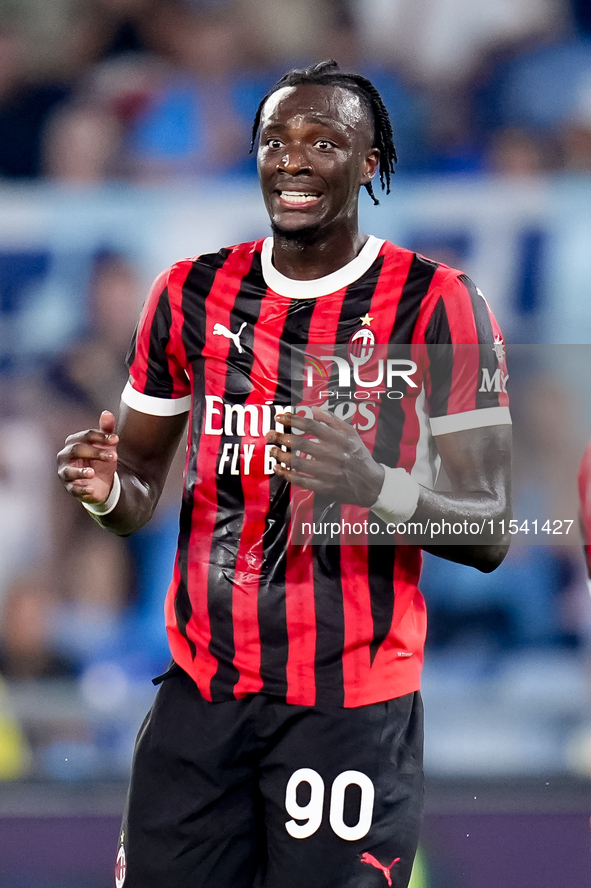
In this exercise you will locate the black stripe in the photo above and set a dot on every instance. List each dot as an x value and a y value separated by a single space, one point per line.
330 616
358 300
484 330
387 444
159 382
271 601
485 334
132 350
415 289
230 495
196 288
440 350
328 589
391 420
381 587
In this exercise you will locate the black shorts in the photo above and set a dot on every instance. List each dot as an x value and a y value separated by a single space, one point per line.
258 793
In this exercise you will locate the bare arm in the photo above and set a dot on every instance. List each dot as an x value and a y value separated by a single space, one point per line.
141 452
478 464
477 461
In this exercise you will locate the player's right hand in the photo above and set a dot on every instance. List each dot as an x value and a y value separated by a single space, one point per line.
87 464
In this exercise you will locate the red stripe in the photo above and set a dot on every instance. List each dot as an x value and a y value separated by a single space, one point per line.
391 674
299 575
385 303
218 306
255 485
359 626
300 608
175 350
409 620
465 378
385 300
411 428
466 363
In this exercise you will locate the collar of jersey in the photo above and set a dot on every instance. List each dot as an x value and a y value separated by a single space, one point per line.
331 283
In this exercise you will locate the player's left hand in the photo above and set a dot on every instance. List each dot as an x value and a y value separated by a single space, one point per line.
339 464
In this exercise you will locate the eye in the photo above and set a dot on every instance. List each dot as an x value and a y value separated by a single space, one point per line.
274 143
324 144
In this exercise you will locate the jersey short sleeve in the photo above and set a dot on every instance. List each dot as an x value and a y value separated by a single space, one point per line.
467 363
158 378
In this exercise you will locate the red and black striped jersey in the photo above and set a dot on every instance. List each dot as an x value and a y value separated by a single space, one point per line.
249 608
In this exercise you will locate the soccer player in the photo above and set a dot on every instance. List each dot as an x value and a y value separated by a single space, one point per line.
284 747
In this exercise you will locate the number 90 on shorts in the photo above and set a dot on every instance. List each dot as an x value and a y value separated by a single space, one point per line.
312 813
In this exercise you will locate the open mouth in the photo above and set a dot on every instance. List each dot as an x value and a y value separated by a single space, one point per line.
298 198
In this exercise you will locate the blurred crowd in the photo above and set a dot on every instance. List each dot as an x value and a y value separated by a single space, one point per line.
76 604
157 90
160 91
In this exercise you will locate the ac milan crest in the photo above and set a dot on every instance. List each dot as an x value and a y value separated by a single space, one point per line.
361 346
120 867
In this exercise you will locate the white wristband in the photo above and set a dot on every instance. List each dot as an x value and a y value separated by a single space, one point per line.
110 502
398 497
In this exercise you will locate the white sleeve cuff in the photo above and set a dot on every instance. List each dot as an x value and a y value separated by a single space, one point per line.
110 502
470 419
154 406
398 497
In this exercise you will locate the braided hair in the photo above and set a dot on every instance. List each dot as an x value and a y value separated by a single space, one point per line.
328 73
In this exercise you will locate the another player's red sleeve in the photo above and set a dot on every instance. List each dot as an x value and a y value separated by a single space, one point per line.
158 378
585 503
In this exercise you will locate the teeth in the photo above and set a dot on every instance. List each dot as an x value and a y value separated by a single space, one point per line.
297 197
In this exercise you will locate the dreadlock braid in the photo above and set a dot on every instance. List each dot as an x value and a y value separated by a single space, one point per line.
328 73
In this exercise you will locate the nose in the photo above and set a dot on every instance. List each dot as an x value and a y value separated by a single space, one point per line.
294 160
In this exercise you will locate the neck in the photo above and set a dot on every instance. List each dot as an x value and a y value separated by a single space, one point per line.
308 256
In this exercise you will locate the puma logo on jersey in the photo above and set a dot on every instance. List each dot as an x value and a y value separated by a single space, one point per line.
366 857
221 330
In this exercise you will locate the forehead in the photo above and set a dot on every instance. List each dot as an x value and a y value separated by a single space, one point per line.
315 103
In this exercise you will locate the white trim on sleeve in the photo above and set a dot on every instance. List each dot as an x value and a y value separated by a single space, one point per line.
155 406
470 419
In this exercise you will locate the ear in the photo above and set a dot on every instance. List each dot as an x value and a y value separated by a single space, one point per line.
370 166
